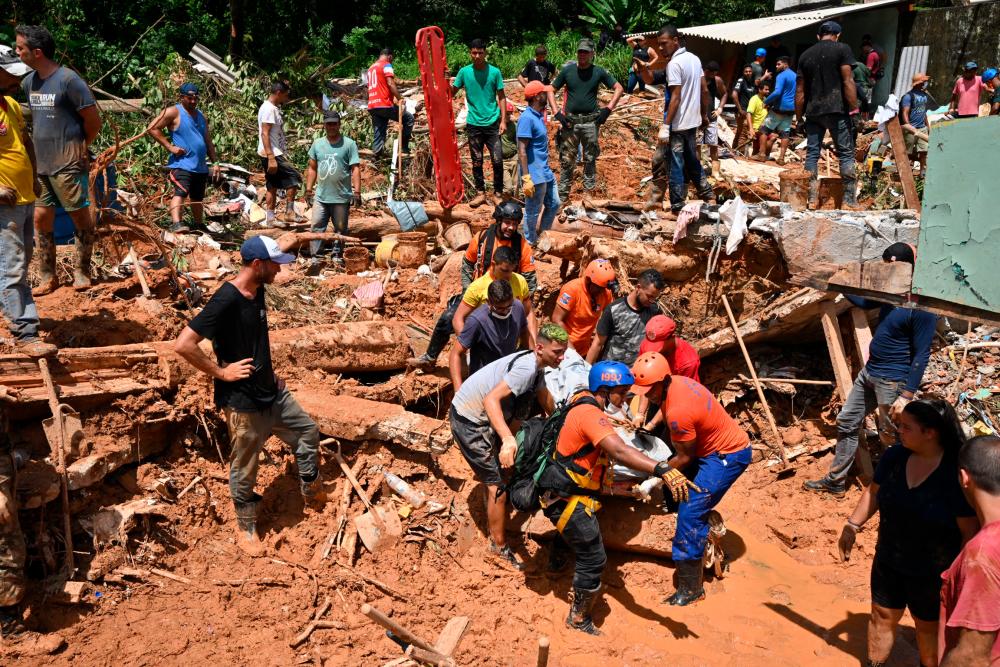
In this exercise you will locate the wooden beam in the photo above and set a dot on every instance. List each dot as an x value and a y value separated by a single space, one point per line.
903 165
862 333
835 344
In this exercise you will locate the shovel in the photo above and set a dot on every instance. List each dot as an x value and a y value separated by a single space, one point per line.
57 430
376 527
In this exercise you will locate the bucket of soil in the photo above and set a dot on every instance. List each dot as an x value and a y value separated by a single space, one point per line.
458 236
794 187
356 259
412 249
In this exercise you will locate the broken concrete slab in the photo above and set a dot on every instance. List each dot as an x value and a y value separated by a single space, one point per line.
357 419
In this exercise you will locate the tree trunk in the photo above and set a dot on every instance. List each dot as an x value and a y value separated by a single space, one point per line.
237 28
636 256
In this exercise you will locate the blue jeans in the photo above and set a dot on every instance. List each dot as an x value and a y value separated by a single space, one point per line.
322 215
868 394
634 82
684 151
546 201
380 125
716 473
841 131
17 242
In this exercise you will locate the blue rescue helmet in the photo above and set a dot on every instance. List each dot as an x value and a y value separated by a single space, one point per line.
609 374
760 53
989 74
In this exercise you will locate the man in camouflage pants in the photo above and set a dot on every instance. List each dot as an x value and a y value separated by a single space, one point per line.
12 550
581 116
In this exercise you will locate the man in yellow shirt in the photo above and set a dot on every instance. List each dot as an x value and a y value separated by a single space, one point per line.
17 209
476 293
757 112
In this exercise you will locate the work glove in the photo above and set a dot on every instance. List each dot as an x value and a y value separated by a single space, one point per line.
675 480
508 450
846 542
603 115
897 407
563 120
663 136
528 186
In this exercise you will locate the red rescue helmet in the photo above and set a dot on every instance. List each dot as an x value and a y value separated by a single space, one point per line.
600 272
648 369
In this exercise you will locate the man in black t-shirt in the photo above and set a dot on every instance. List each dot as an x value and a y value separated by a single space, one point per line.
825 94
255 402
539 69
622 325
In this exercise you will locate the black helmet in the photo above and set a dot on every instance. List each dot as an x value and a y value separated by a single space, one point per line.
508 210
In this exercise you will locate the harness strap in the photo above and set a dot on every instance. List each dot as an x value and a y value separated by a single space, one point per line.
590 504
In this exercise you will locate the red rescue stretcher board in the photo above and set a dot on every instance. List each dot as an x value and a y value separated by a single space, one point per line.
440 116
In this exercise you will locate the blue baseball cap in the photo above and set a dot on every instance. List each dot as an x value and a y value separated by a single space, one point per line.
189 89
830 28
971 65
264 248
760 53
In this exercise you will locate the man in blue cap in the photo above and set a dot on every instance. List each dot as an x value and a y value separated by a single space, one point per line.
991 79
759 72
967 92
190 147
254 400
826 95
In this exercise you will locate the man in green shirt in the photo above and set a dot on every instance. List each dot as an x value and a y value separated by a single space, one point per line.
581 116
335 169
487 118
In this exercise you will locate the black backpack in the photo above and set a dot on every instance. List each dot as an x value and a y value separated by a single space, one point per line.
533 456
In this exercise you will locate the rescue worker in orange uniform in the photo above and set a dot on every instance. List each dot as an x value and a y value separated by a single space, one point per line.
571 481
581 302
711 450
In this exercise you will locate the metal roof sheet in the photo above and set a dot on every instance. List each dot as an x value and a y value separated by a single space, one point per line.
756 30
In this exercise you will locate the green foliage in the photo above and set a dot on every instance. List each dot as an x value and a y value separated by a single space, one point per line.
632 15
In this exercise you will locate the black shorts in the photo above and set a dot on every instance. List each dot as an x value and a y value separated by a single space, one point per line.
480 447
285 177
896 590
189 184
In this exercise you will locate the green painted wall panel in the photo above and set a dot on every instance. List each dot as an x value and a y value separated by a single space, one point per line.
958 258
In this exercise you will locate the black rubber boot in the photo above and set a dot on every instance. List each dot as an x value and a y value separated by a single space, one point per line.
850 191
690 586
246 525
579 611
813 201
84 250
45 251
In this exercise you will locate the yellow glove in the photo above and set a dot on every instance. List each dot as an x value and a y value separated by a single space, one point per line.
678 484
528 185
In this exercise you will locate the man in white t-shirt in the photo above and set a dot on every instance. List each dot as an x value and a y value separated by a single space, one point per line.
279 173
483 411
686 112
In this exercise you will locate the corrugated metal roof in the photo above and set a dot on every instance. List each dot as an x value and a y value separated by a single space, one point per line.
752 31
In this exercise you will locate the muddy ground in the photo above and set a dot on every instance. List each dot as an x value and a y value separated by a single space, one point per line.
786 599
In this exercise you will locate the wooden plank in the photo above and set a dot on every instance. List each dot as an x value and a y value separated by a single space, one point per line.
886 277
862 333
447 642
903 165
835 344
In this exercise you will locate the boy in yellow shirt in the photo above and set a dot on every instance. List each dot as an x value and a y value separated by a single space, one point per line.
757 112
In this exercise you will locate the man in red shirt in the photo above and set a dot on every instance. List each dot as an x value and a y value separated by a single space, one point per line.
710 445
383 100
970 597
681 356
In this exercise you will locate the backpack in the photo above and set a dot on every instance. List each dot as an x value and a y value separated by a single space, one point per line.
539 436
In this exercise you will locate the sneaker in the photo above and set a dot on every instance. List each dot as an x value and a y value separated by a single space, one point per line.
179 228
824 485
507 554
420 362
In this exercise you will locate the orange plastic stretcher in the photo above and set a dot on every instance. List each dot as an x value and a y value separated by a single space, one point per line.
440 115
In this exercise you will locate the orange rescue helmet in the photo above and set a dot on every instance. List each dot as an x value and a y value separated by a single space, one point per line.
648 369
600 272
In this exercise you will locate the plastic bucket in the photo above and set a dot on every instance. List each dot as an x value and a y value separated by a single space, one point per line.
458 236
385 251
411 249
356 259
